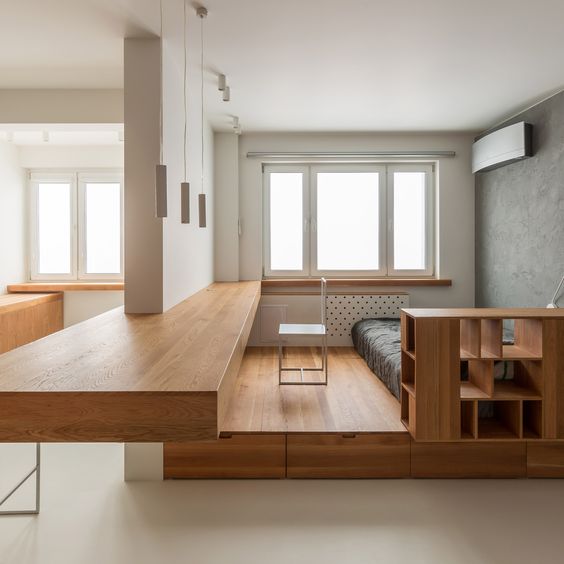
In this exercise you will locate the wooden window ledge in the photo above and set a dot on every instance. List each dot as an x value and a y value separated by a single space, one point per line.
355 282
35 287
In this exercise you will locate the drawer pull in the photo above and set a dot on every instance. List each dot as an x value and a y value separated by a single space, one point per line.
349 435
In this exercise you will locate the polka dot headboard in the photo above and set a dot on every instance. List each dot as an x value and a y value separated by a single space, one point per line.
344 310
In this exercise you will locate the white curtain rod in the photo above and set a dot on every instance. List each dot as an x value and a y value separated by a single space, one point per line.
355 155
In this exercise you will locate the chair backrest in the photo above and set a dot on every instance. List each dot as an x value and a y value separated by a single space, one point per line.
323 301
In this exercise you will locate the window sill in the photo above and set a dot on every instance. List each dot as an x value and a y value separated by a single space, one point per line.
355 282
65 287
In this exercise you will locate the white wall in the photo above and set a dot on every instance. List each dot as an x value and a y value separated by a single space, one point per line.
143 231
13 236
455 221
80 306
187 248
78 156
166 261
226 222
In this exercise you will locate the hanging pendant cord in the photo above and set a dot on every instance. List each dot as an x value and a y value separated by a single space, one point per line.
161 86
185 100
202 93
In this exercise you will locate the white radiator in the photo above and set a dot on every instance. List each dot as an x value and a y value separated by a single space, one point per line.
344 310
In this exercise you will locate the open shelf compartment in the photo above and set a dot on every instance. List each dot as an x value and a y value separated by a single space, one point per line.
469 420
500 420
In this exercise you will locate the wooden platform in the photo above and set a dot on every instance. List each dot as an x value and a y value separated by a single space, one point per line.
131 378
354 401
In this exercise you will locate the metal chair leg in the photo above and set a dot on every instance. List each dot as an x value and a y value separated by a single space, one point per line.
37 471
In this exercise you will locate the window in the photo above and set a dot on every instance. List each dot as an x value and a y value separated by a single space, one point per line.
76 226
348 220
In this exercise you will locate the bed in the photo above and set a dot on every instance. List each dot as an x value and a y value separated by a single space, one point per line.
378 342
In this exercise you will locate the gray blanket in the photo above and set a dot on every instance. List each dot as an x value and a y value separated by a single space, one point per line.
378 341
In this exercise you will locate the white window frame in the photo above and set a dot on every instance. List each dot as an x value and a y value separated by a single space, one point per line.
386 225
382 191
304 170
428 169
77 180
37 178
93 178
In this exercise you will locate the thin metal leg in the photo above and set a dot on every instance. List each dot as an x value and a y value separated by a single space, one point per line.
279 360
37 471
325 358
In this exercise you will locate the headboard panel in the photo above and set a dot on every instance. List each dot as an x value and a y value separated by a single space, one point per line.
344 310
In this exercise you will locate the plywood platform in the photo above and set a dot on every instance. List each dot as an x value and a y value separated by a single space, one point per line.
354 401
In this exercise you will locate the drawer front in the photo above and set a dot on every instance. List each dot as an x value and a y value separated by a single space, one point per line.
496 459
235 456
381 455
545 459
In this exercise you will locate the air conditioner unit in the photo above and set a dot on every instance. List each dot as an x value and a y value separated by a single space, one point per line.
502 147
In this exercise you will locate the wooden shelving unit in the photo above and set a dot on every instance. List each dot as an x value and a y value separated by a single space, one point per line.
439 405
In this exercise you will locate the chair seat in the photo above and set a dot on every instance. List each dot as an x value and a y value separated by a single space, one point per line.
301 329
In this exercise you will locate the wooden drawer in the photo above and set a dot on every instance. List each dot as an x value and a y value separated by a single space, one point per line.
377 455
471 459
545 459
235 456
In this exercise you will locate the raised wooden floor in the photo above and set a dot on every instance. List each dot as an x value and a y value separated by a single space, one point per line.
354 401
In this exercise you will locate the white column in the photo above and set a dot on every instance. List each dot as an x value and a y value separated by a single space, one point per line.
143 461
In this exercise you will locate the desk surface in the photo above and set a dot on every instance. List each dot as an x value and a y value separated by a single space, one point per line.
185 349
160 359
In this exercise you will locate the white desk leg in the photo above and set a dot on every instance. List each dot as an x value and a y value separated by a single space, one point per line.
143 461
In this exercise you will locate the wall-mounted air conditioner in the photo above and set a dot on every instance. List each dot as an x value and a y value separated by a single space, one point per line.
502 147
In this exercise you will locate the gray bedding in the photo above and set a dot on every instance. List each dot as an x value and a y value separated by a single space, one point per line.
378 342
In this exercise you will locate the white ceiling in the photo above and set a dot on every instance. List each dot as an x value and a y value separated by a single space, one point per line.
314 65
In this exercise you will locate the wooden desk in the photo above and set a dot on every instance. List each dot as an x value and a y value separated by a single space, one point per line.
131 378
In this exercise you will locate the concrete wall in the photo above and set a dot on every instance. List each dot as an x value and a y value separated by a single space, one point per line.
13 224
520 218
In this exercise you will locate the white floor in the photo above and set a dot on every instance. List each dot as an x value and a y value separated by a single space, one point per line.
89 515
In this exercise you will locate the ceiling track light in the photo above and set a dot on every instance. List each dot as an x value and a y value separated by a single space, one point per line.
221 82
226 94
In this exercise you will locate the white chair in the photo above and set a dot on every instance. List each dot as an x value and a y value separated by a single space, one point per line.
309 330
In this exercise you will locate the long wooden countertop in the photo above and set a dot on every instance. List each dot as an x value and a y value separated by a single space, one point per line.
123 377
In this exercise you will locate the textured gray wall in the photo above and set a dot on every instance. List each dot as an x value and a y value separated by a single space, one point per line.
520 218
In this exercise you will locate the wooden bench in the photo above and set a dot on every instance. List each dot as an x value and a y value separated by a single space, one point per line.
27 317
